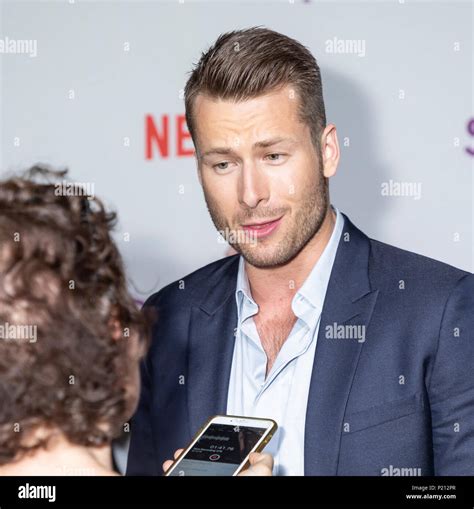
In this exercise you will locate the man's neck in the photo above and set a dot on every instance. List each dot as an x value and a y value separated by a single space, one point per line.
279 284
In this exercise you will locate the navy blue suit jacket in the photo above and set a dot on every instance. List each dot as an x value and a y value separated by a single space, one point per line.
401 399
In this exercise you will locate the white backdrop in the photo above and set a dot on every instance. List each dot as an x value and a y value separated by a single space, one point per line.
401 97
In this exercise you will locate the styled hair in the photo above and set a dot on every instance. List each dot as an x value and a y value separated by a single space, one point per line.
61 273
244 64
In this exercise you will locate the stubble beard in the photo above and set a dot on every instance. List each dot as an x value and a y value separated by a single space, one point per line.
302 225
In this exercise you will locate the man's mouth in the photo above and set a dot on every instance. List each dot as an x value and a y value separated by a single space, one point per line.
262 229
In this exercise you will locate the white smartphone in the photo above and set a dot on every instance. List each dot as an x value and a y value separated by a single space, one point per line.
223 446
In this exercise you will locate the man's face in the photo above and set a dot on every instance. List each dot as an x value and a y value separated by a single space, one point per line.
262 178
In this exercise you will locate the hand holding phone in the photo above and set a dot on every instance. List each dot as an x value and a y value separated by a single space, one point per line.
261 464
226 445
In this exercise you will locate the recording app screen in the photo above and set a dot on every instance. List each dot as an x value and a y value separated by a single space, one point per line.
219 451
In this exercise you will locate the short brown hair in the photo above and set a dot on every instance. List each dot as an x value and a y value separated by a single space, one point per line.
61 272
244 64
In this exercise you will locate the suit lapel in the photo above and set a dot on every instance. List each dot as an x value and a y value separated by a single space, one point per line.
211 345
349 300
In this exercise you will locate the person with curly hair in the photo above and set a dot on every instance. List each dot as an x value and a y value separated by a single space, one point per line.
65 395
71 336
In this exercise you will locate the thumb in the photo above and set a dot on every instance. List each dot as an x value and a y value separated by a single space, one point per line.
261 464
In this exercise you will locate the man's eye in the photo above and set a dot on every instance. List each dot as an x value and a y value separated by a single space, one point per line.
274 157
221 166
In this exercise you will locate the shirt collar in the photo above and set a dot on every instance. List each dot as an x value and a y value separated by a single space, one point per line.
246 306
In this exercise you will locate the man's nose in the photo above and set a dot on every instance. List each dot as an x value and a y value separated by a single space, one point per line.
253 186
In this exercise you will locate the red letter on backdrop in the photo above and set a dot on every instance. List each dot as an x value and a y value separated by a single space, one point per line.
152 135
182 134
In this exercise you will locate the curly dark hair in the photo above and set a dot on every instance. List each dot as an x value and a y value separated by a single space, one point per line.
61 273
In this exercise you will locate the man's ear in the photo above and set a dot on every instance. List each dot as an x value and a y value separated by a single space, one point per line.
199 172
198 163
330 150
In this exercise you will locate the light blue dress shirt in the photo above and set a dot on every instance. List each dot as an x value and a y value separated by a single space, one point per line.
283 395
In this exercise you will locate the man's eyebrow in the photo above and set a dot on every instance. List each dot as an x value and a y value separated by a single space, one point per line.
218 150
259 144
272 141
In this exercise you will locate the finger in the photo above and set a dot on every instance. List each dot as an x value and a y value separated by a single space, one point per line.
167 464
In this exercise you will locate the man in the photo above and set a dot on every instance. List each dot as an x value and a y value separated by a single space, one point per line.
360 351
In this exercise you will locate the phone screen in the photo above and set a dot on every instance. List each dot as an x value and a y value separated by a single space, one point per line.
219 450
